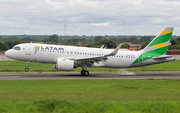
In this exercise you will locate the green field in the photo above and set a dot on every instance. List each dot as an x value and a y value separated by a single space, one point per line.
84 96
89 96
19 66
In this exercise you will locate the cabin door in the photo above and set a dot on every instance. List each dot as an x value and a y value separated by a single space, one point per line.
28 49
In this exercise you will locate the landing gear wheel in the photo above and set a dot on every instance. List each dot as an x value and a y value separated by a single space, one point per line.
82 72
86 73
26 69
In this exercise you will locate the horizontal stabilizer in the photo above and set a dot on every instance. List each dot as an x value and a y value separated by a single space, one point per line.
162 57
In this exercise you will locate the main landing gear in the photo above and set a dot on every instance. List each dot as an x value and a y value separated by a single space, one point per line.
84 72
27 69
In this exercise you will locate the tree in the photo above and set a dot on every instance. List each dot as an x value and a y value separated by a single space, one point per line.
28 39
95 44
11 38
178 39
145 39
173 42
72 42
171 47
144 44
132 39
98 38
17 42
3 46
52 39
125 46
9 44
110 44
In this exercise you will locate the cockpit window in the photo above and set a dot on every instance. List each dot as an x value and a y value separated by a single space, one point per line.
17 48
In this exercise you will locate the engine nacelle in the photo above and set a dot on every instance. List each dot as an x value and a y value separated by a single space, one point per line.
64 64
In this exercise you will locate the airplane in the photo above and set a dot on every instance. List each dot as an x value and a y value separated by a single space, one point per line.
67 58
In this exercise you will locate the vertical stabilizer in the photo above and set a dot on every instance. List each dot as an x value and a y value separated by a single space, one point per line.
157 47
160 43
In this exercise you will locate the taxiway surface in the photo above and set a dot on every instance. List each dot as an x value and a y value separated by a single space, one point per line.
172 75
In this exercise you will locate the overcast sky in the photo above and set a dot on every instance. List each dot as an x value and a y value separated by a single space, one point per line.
88 17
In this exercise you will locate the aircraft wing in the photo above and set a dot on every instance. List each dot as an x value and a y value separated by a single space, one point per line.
95 59
89 60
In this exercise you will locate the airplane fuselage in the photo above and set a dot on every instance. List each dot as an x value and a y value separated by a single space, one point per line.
47 53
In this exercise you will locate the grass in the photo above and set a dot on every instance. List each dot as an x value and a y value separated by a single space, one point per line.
63 106
125 96
94 96
90 90
19 66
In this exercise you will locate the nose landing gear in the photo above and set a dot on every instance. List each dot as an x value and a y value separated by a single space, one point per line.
27 69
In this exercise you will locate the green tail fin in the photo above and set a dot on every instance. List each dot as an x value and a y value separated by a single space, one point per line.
158 46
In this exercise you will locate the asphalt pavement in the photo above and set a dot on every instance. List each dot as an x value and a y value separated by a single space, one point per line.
166 75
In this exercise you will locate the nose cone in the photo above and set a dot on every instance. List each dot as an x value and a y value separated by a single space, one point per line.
8 53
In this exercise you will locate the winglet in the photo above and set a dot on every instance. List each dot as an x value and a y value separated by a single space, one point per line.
115 51
102 47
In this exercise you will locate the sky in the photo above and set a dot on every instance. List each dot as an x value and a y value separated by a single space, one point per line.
88 17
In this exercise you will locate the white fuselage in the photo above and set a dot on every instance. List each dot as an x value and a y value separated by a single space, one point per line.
47 53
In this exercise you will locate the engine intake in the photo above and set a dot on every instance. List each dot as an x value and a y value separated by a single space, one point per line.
64 64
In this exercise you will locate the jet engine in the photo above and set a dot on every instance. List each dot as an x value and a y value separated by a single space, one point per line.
64 64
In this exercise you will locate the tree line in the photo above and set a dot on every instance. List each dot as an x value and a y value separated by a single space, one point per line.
85 41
